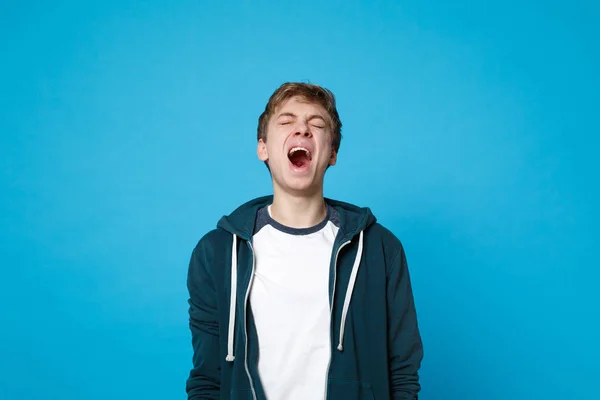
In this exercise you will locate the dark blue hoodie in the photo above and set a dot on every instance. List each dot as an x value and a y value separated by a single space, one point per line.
376 347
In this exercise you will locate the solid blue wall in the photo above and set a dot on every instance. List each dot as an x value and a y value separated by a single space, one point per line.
128 128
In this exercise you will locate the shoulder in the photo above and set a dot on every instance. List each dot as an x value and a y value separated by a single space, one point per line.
383 234
212 241
210 254
382 239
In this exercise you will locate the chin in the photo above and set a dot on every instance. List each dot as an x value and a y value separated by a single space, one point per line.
296 180
298 184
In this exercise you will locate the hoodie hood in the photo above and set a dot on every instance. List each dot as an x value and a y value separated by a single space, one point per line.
240 222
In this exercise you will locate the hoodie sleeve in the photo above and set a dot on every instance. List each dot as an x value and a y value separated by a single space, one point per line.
204 378
404 339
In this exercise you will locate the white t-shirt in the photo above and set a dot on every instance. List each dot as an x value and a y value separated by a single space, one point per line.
289 298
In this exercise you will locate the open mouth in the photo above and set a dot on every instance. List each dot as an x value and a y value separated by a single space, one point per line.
299 157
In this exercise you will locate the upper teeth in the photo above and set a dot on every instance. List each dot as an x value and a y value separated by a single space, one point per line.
294 149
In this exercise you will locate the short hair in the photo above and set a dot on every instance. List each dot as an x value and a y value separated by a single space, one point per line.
309 93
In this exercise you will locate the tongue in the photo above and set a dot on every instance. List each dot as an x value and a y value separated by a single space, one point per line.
299 159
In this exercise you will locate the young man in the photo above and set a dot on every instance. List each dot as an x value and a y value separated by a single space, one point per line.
295 296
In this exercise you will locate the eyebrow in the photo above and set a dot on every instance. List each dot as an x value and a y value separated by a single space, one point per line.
310 117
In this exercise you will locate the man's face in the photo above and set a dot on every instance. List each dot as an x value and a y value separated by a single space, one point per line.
298 147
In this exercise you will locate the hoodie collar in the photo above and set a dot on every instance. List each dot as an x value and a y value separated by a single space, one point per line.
353 219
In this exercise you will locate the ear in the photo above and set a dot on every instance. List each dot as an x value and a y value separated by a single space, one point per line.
261 150
333 158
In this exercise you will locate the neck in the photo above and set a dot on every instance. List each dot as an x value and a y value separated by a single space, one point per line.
301 211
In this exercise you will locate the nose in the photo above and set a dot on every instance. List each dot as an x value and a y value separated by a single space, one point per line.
303 130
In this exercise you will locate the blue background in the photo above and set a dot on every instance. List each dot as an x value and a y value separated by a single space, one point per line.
128 128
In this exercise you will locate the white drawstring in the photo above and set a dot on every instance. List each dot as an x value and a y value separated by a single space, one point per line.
230 356
349 290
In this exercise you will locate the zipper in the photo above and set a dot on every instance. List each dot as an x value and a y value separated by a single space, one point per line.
331 350
245 327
